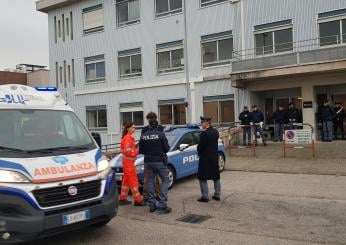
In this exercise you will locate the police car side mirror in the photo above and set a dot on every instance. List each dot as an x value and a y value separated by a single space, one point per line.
183 147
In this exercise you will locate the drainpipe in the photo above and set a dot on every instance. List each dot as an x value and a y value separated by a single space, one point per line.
187 75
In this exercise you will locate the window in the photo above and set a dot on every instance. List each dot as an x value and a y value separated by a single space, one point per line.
71 22
130 63
211 2
93 19
69 73
65 80
63 27
332 32
59 28
170 57
274 37
73 76
95 68
60 73
57 74
67 27
172 112
188 139
96 117
132 112
219 108
55 30
217 49
166 7
128 12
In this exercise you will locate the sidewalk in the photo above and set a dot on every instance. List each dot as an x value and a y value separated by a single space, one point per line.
330 159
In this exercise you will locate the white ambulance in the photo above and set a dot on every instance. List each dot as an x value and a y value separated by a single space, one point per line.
53 176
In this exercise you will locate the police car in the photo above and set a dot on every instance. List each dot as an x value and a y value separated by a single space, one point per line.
182 157
53 176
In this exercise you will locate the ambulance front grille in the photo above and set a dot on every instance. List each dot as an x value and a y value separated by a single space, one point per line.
55 196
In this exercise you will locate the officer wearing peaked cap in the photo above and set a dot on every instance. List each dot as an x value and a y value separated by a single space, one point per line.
208 168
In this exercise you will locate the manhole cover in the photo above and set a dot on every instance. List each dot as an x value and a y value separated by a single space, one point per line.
193 218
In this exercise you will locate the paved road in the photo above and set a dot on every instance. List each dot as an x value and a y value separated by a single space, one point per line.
257 208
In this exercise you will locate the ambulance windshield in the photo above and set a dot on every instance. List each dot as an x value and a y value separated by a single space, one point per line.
47 132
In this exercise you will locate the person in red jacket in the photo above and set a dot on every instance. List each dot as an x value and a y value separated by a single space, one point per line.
129 156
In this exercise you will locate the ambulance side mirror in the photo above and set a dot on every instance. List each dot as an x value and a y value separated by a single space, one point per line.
97 138
183 147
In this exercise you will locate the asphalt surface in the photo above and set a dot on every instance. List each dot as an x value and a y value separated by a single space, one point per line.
256 208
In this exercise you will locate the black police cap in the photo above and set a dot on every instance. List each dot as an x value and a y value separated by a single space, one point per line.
205 119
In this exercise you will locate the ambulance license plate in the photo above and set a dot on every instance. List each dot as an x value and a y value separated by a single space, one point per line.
76 217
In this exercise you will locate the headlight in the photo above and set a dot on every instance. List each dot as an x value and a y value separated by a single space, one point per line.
7 176
102 165
140 168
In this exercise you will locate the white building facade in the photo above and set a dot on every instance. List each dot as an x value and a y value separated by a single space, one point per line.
116 60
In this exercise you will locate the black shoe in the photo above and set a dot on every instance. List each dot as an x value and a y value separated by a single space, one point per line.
202 199
216 198
165 210
152 209
140 204
124 202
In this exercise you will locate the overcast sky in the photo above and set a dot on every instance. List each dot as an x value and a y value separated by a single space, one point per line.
23 34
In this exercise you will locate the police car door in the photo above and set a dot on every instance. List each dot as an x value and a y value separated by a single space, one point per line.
187 157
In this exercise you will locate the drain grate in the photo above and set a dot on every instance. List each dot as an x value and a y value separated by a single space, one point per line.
193 218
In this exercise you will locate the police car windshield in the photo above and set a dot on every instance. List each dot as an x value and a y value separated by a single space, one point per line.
171 139
41 131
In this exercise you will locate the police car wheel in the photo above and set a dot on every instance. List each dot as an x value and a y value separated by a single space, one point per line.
222 162
171 177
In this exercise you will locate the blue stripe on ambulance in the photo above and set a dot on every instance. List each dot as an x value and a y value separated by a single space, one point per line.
14 166
19 193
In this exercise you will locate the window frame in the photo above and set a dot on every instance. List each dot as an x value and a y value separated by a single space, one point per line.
128 22
131 74
96 109
340 37
218 62
172 111
170 50
273 31
211 3
169 12
94 61
219 117
94 29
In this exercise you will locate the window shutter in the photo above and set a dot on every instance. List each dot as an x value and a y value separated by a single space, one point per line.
93 19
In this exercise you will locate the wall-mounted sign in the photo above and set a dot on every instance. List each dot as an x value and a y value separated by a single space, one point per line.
307 104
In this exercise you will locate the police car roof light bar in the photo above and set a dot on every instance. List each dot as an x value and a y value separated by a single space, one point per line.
46 89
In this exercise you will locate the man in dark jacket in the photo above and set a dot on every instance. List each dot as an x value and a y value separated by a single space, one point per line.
339 120
279 119
208 168
150 116
256 120
292 116
154 146
326 116
244 117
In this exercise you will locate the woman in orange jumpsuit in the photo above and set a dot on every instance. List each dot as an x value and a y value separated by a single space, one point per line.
129 156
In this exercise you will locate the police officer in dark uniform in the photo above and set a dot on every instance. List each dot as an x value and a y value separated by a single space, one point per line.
154 146
339 120
244 117
256 120
326 115
208 168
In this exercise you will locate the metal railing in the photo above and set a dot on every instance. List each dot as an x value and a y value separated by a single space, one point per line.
290 47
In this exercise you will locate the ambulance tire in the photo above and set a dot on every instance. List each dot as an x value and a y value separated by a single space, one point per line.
171 176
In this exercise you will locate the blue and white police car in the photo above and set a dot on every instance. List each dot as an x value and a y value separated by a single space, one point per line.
182 157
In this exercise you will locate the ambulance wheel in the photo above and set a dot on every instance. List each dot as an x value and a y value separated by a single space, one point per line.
101 223
171 176
222 162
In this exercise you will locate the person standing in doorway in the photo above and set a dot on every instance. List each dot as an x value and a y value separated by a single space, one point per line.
244 117
154 146
208 168
129 156
339 120
151 116
326 116
279 117
292 116
256 120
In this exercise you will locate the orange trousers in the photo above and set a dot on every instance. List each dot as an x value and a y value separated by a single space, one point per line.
130 182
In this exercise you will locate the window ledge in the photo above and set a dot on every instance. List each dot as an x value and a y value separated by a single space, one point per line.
93 32
130 23
129 78
212 4
169 14
217 65
169 72
95 82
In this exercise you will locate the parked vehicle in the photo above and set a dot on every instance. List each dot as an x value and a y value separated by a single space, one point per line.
182 157
53 176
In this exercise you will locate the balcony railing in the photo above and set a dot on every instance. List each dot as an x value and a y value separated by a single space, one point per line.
318 50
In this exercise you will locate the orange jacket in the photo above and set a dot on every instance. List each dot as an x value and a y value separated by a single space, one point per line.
128 147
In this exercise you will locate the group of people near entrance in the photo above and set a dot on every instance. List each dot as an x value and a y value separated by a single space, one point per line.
154 146
332 120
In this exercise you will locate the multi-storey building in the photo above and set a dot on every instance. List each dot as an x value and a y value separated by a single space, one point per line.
116 60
